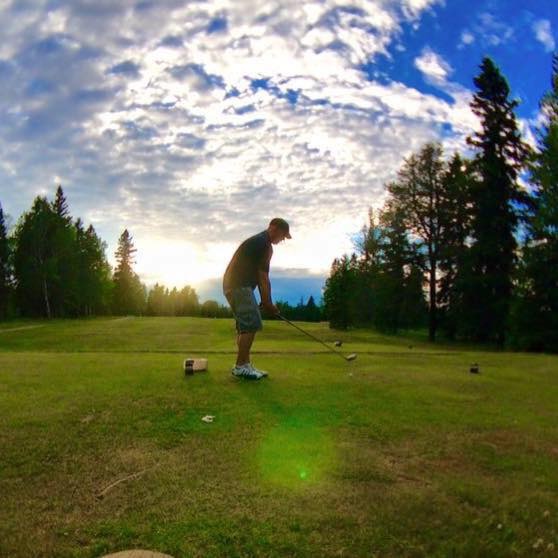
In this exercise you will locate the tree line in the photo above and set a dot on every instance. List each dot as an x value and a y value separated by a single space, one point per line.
52 266
464 245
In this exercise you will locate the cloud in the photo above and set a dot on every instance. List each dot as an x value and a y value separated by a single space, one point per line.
487 31
467 38
434 68
197 123
414 8
543 34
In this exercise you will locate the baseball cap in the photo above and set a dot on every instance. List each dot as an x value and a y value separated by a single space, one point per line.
281 224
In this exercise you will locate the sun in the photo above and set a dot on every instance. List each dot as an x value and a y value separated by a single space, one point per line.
178 263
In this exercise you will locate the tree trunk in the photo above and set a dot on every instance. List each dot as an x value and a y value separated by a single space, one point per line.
45 293
432 318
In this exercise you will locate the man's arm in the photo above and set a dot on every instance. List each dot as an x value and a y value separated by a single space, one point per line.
264 286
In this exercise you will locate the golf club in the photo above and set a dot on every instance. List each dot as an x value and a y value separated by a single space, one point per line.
348 358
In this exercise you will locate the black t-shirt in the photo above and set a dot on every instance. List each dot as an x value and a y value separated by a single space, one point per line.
253 255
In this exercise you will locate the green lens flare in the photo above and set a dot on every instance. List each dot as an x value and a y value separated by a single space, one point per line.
295 455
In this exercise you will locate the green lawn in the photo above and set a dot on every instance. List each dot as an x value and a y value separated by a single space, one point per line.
402 452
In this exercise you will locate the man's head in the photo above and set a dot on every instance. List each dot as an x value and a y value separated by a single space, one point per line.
278 230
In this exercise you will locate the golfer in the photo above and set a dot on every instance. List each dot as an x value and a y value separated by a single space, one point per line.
248 269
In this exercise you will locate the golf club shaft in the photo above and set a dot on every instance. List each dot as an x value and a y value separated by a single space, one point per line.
312 337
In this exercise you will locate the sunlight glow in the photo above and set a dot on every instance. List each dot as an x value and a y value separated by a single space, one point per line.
177 264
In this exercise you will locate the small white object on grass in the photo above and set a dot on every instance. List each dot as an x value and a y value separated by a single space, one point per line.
208 418
538 544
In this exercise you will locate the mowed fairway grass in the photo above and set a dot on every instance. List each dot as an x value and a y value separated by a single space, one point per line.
402 452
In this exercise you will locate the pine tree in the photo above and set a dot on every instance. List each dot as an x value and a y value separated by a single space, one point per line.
60 205
369 248
128 292
35 263
456 229
536 316
94 273
496 203
65 288
312 311
337 294
400 298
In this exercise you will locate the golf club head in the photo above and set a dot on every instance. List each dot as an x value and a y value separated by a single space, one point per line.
352 356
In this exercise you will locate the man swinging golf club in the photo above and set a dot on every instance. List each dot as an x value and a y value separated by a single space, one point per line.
248 269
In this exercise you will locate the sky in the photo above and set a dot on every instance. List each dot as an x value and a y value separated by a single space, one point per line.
193 123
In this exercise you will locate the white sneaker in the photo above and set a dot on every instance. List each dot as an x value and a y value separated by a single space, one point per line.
246 371
262 372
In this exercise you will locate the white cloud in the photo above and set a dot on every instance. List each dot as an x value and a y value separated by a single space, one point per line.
433 66
493 31
467 38
180 146
415 7
543 33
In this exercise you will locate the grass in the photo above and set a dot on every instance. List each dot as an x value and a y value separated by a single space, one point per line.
400 453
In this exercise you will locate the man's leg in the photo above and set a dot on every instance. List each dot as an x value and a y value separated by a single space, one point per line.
244 342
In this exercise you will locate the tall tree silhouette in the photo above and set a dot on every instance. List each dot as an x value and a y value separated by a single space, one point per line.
128 292
35 263
94 273
417 196
65 284
537 315
497 201
338 293
456 230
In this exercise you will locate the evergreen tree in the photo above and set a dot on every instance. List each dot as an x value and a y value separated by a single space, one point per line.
156 301
456 230
65 288
128 292
94 273
370 251
312 312
337 294
60 205
536 315
416 195
35 263
188 303
497 201
400 298
5 271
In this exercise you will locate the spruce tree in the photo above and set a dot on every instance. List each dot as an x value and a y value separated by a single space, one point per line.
128 292
338 292
94 274
497 200
65 288
400 302
35 262
456 229
536 317
60 205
